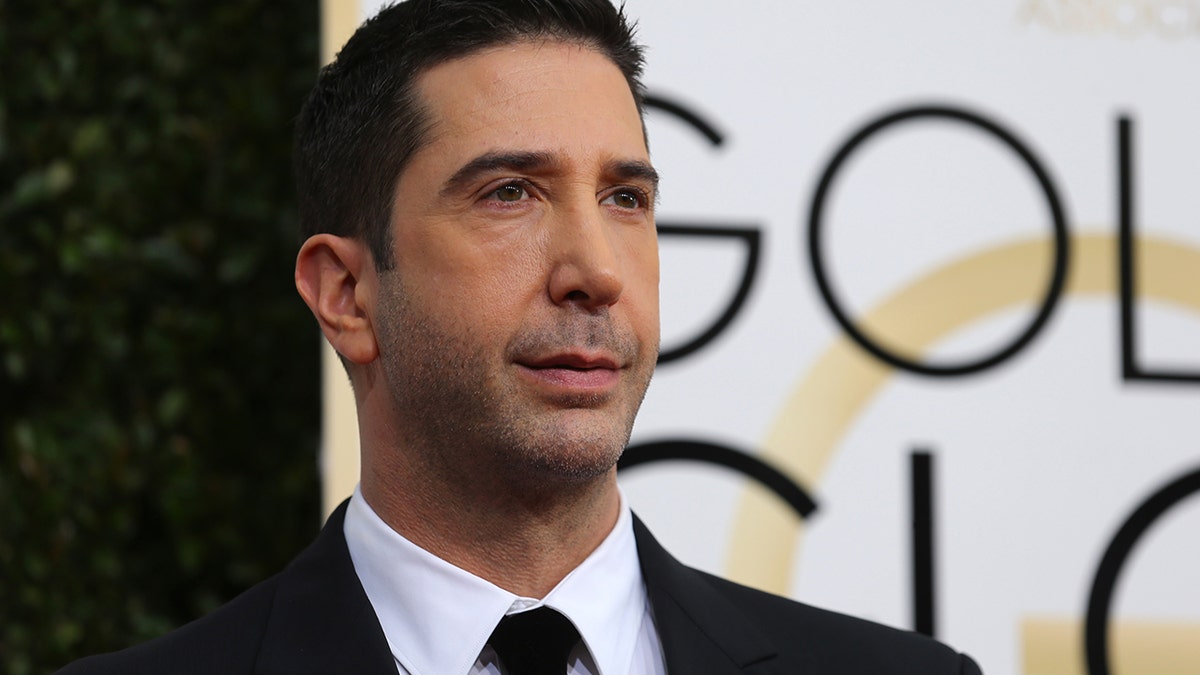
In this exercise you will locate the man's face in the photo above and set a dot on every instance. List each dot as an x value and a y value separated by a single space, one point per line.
519 328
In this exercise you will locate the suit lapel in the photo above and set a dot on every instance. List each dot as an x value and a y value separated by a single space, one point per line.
321 620
702 632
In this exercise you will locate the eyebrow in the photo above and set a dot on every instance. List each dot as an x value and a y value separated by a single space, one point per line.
540 162
521 162
633 170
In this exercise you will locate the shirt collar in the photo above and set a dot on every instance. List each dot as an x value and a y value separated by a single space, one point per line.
605 597
437 617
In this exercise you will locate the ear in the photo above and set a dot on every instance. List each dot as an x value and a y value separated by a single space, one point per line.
336 278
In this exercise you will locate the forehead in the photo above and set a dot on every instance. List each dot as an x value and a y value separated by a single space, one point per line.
553 97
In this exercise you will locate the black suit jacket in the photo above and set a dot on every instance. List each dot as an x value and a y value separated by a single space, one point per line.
314 618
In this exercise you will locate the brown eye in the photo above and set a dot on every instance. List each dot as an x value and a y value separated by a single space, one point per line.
626 199
510 193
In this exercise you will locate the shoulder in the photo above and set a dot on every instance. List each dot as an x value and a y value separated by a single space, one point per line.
697 612
810 636
225 641
312 617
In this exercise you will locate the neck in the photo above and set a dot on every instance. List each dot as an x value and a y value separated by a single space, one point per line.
523 536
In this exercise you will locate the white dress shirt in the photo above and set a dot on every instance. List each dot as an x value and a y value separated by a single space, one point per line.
437 617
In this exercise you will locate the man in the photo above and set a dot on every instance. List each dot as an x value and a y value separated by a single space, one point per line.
478 199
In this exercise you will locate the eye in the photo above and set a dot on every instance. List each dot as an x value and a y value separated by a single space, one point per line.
509 193
627 199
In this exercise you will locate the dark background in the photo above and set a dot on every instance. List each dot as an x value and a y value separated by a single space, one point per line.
159 396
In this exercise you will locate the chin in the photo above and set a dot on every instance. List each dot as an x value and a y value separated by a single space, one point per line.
569 446
578 462
571 457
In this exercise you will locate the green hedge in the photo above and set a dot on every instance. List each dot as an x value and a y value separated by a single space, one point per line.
158 373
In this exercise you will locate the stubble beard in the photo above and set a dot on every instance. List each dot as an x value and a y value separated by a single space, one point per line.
467 422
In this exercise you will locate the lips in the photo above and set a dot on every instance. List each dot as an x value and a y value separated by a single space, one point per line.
573 371
573 361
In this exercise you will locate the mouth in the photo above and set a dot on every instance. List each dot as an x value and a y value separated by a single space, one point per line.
573 371
572 361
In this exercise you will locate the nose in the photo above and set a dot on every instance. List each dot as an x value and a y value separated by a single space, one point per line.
586 264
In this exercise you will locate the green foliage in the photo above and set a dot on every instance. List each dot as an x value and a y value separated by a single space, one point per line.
158 374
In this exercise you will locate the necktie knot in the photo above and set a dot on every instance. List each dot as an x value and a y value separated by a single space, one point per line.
536 642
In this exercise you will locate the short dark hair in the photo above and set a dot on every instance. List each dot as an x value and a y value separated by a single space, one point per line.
363 120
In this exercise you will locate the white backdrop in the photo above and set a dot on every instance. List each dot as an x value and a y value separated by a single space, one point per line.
938 243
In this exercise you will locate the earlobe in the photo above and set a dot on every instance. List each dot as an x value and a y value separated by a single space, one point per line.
335 276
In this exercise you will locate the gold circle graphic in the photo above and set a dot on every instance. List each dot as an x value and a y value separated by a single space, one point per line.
829 398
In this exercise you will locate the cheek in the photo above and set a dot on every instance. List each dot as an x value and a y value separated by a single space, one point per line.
481 269
491 292
646 313
641 291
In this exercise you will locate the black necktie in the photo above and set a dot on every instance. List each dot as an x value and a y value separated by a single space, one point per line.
536 642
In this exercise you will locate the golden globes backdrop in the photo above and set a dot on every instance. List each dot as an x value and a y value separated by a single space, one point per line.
931 317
